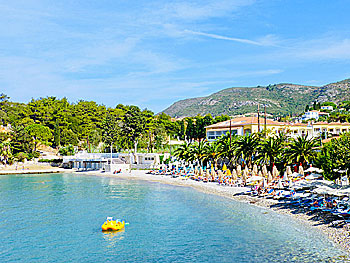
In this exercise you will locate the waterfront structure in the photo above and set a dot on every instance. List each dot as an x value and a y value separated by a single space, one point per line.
248 125
115 161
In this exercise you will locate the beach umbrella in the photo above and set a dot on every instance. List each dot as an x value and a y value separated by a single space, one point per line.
289 170
228 173
260 174
224 167
279 184
234 175
246 170
264 182
344 180
244 175
255 170
220 174
239 170
207 174
337 181
285 176
196 170
269 177
264 171
275 172
301 170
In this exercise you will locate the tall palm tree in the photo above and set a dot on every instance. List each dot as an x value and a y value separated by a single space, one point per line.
246 147
197 151
183 152
302 150
212 152
270 150
227 147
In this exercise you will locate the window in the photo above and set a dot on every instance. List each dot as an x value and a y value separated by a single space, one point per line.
213 135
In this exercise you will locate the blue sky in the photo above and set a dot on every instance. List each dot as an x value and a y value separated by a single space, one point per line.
153 53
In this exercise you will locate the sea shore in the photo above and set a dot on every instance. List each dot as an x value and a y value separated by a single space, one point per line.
337 231
31 169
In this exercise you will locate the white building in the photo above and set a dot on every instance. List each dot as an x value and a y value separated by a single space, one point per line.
313 114
326 107
114 162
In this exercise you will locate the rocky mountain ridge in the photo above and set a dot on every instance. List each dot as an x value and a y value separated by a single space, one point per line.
280 99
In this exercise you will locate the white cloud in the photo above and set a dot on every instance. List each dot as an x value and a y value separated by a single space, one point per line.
204 9
325 49
266 41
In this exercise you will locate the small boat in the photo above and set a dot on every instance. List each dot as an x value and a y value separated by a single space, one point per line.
113 225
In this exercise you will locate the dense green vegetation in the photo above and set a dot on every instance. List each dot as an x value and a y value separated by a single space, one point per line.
278 151
96 128
87 125
280 100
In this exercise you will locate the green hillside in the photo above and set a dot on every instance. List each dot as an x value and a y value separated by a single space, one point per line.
280 99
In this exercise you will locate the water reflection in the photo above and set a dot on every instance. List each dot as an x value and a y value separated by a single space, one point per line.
113 237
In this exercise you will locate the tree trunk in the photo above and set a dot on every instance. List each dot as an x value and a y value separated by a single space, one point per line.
135 145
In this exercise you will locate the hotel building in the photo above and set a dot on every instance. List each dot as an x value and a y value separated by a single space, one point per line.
248 125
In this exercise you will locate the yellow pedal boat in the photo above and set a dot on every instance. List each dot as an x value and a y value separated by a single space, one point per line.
113 225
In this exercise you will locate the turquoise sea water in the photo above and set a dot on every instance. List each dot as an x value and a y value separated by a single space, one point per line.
57 218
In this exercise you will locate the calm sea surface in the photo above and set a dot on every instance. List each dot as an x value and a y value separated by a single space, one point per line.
57 218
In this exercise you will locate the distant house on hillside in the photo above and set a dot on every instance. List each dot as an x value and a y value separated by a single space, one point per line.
314 114
327 107
5 129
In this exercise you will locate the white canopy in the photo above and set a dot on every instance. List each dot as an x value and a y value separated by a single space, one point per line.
254 178
314 169
313 176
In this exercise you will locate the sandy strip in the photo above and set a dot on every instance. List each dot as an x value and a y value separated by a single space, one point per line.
33 171
338 233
